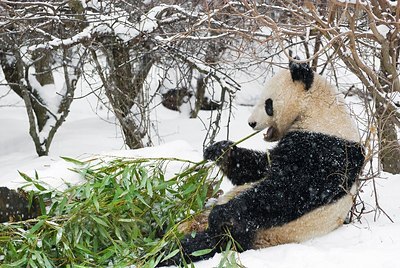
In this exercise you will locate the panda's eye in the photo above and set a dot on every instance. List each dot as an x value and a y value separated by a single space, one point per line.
269 107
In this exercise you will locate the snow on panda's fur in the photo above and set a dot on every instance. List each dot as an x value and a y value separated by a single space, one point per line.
307 187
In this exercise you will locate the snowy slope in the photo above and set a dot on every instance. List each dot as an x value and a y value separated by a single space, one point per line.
367 244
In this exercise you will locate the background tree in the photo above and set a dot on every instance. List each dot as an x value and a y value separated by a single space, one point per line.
44 43
31 65
370 49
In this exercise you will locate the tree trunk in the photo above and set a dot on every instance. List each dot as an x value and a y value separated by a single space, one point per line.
213 53
15 73
389 146
43 62
123 88
125 94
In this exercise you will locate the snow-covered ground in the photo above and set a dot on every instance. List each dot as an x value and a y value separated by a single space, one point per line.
367 244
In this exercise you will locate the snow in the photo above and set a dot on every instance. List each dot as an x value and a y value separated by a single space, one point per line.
383 29
353 2
367 244
104 24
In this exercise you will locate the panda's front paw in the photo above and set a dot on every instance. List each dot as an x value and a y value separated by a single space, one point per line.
218 151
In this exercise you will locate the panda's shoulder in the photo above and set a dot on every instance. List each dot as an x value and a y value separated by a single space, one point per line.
299 137
307 139
305 143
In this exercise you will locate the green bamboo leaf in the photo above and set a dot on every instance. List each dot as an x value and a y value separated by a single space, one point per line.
170 255
201 252
25 177
88 190
143 201
118 234
99 221
59 235
19 263
149 188
35 181
47 262
42 205
72 160
164 185
36 227
96 203
191 188
107 254
39 258
62 205
32 263
126 220
143 177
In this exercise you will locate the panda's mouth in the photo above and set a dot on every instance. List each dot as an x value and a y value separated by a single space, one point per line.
271 134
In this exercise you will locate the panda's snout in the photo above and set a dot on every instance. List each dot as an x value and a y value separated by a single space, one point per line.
252 124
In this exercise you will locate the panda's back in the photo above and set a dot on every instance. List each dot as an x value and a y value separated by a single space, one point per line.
316 156
319 167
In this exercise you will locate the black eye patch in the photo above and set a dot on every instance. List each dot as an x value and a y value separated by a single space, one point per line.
269 107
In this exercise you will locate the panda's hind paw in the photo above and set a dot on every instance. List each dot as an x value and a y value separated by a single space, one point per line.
222 218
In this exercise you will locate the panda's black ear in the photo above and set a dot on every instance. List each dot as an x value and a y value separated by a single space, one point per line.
302 72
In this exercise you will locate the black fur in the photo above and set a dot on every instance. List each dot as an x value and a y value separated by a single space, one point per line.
302 72
308 170
240 165
269 109
16 206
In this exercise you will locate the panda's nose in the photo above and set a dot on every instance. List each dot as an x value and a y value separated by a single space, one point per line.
252 124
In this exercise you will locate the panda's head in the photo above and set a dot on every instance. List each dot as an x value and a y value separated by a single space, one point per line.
282 101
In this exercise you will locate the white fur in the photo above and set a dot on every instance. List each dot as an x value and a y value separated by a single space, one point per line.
313 224
319 109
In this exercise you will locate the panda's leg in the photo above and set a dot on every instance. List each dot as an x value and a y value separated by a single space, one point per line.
213 240
192 243
221 229
318 222
197 224
240 165
201 241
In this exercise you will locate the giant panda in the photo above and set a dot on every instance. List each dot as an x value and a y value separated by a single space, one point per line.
300 189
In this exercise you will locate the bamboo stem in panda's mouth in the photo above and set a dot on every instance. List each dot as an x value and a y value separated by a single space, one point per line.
246 138
234 144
